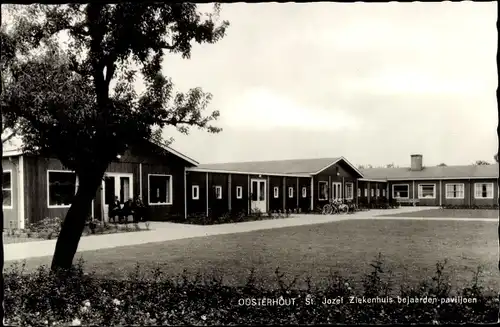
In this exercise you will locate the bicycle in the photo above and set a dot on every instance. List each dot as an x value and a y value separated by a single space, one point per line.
334 207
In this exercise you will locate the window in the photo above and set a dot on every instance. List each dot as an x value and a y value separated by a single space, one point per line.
7 189
483 190
372 193
359 192
455 191
383 192
349 190
304 192
276 192
378 192
218 192
427 191
366 192
290 192
195 192
239 192
160 189
323 191
400 191
61 188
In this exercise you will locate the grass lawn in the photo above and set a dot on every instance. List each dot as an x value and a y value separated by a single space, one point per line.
414 246
449 213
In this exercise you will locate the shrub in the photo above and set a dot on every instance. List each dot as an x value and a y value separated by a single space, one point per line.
59 298
47 228
473 207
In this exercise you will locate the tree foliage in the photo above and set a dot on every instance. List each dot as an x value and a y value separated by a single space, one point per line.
66 95
77 100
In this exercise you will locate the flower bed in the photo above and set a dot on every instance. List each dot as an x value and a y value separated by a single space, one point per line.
48 229
231 217
473 207
74 298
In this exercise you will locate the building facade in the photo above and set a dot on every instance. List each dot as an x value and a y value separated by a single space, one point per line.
175 186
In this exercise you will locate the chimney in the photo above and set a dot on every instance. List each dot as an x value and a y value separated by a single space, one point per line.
416 162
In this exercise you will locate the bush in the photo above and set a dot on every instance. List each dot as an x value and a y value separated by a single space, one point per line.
473 206
47 228
60 298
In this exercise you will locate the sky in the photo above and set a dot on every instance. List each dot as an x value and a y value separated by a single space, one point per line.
372 82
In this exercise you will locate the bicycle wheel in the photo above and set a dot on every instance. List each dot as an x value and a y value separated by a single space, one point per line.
344 209
327 209
335 210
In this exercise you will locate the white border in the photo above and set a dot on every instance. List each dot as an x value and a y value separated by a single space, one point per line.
396 197
48 187
11 206
454 198
428 197
304 192
276 192
170 190
290 192
197 188
239 196
488 197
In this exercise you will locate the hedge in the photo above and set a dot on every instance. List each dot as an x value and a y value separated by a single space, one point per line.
74 297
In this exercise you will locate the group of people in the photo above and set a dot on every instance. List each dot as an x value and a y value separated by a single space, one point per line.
134 208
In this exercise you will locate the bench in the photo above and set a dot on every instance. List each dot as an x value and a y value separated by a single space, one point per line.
407 201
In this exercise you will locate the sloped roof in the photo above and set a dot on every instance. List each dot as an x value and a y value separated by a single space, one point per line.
283 167
435 172
14 148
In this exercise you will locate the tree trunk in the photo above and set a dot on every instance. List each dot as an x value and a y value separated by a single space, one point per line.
74 222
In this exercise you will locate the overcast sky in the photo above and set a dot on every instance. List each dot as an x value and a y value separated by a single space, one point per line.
371 82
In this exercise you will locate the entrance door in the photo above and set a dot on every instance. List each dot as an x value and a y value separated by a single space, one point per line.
258 191
116 185
336 191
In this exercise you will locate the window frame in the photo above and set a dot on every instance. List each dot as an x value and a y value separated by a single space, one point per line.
400 197
372 192
304 192
276 192
11 206
352 190
197 188
240 189
454 198
487 197
319 191
170 191
377 192
420 190
218 196
383 192
290 192
62 206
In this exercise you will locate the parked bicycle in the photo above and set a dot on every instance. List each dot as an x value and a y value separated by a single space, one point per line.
352 206
334 207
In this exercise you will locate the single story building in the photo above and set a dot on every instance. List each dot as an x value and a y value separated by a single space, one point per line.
435 185
35 187
173 185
